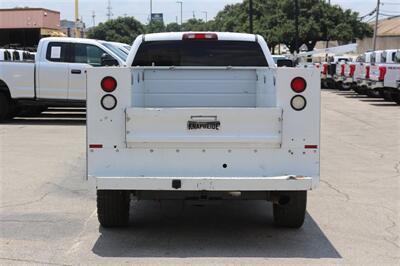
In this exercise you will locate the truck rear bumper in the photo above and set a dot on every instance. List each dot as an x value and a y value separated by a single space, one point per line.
275 183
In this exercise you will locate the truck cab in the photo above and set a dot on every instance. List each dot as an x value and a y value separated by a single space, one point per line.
56 77
202 116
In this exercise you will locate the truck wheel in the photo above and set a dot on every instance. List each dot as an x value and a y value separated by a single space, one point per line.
113 208
345 86
290 209
4 107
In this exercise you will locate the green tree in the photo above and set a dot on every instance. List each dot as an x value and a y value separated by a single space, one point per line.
122 29
194 25
275 20
155 26
172 27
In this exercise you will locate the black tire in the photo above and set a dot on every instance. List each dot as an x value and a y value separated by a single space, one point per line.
345 87
373 93
4 107
31 111
291 210
113 208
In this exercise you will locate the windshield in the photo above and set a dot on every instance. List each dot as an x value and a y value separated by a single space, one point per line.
116 50
200 53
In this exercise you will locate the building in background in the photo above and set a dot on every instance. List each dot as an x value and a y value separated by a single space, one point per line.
388 36
24 27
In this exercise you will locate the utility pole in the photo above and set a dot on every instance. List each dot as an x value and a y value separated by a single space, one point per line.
109 13
296 22
77 19
181 3
151 8
194 15
205 12
376 23
93 18
251 16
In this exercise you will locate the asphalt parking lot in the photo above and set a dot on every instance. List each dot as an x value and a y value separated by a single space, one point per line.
48 210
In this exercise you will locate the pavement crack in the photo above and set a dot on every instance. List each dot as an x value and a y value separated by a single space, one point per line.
394 238
27 202
347 197
26 221
380 154
73 191
396 167
78 239
34 261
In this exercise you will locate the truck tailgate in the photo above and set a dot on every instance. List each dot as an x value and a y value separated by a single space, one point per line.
203 126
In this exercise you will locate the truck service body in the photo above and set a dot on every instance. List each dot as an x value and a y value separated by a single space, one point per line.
56 77
202 116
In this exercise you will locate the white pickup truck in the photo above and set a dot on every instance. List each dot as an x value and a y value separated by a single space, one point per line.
56 77
204 116
384 75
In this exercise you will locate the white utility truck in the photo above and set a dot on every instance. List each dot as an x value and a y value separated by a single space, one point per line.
203 116
384 76
56 77
362 72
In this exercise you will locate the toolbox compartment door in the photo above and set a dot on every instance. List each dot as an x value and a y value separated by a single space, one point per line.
203 127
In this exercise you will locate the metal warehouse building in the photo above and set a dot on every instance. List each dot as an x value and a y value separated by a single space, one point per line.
23 27
388 36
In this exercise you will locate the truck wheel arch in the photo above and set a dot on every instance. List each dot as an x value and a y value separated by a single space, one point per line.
4 89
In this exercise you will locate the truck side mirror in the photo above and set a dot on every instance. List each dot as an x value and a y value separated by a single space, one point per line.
108 60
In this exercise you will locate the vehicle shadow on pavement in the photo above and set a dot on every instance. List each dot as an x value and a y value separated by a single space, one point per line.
222 229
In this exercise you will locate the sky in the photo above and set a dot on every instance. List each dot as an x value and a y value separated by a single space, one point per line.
140 9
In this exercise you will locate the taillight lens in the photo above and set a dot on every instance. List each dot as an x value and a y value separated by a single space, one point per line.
108 84
352 70
108 102
325 69
382 73
342 70
298 102
367 68
298 84
200 36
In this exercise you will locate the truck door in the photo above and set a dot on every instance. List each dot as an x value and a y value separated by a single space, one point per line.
52 73
84 56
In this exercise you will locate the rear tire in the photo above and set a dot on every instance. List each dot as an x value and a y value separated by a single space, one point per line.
113 208
4 107
291 210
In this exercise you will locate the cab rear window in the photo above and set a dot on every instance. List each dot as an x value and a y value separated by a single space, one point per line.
200 53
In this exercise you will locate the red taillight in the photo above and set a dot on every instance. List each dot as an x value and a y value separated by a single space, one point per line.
324 69
200 36
352 69
367 68
95 146
298 84
310 146
382 73
108 84
342 70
